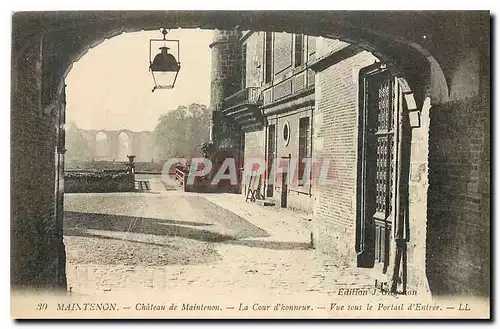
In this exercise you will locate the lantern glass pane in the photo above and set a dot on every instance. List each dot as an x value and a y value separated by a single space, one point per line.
165 80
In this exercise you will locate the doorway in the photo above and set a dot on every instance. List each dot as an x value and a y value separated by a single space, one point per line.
378 148
284 181
271 153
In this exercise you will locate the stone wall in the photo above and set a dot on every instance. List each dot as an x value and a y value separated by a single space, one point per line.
225 81
458 234
254 149
299 196
254 60
98 182
283 53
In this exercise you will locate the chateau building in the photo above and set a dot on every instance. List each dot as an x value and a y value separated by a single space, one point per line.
352 135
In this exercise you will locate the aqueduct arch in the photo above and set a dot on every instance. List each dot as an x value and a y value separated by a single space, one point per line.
124 145
46 44
102 144
109 145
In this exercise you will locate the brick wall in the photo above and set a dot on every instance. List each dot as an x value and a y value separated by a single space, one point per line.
335 139
34 248
458 244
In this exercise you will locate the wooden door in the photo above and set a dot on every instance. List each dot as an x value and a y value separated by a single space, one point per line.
378 172
284 181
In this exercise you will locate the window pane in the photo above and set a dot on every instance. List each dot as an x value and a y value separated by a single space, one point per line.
299 50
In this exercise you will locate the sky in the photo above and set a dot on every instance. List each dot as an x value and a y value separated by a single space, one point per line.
110 86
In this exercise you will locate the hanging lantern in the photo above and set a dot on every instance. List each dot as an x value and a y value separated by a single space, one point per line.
164 67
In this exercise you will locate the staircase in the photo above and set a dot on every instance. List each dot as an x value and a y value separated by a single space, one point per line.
142 185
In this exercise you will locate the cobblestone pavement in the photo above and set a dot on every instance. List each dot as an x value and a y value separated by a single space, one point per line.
172 240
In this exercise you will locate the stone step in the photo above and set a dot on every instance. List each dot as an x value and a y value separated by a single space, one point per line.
142 185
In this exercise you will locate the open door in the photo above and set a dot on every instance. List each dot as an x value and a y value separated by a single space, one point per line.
284 181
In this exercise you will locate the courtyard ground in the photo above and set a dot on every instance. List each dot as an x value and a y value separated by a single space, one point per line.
171 240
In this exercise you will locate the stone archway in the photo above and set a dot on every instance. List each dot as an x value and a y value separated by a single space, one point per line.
46 45
392 44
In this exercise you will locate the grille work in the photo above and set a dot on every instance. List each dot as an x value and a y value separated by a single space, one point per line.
384 102
384 175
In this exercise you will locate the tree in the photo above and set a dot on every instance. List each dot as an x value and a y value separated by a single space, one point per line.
180 133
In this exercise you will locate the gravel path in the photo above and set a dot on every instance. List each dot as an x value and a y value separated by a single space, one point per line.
117 249
183 242
148 229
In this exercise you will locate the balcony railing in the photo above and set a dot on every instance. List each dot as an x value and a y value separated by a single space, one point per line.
243 108
249 95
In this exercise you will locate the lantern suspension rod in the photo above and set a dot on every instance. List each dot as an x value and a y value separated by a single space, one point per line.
164 32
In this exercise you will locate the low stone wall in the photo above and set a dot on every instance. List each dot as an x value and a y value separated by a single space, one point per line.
147 167
98 182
